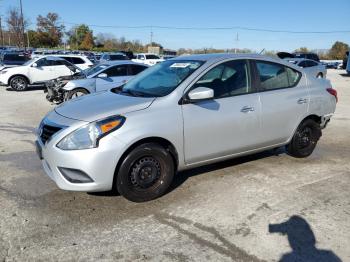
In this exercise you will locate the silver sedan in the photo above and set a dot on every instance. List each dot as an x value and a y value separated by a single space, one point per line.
179 114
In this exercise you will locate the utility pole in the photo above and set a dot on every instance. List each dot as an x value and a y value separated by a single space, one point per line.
151 36
1 33
237 39
22 21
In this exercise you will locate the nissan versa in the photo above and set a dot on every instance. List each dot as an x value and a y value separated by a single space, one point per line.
181 113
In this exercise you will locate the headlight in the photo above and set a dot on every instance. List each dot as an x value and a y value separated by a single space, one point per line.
3 72
89 135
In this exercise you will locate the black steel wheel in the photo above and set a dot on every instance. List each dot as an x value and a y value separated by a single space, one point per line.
145 173
305 139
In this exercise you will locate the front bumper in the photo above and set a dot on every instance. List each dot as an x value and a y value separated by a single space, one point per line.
98 164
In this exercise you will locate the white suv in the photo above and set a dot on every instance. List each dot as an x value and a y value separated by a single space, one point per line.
36 71
148 59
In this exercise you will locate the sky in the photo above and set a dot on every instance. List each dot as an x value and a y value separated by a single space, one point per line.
280 15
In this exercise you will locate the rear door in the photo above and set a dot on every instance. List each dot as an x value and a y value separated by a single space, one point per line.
227 124
284 101
116 76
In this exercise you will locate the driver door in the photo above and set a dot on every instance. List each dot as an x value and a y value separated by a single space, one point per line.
42 72
227 124
116 76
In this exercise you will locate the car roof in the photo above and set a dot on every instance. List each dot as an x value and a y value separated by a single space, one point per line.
63 55
218 57
121 62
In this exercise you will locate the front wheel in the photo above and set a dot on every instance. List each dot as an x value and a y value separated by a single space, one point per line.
19 83
76 93
305 139
145 173
320 75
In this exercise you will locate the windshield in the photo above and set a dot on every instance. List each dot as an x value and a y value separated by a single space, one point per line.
152 57
161 79
29 61
92 70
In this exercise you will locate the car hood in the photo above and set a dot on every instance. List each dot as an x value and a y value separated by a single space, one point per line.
101 105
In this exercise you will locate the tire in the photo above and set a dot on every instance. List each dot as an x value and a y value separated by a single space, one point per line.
19 83
305 139
77 92
320 75
145 173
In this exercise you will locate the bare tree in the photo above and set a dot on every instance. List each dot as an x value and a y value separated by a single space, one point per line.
14 25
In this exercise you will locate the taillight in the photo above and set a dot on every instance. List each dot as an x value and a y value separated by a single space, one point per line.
333 92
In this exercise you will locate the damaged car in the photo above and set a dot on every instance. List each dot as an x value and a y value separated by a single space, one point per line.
98 78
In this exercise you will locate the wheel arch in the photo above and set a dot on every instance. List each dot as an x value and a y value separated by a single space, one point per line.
154 139
9 81
314 117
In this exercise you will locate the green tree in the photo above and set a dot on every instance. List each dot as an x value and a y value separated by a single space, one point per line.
33 38
88 42
49 30
338 50
77 35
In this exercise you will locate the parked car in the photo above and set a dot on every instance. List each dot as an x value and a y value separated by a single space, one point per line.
312 67
345 60
80 61
148 59
11 59
36 71
98 78
179 114
113 57
306 55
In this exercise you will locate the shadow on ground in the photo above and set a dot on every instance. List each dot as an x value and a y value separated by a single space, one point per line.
181 177
302 240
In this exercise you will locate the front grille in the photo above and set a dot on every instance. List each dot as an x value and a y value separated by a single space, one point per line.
48 131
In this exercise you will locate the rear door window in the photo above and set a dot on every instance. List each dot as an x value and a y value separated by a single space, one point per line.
274 76
135 69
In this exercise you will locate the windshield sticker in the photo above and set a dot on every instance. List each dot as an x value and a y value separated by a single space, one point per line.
180 65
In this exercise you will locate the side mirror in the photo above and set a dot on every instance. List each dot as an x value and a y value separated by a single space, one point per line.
102 75
34 65
201 93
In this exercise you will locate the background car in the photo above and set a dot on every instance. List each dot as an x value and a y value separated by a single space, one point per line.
11 59
35 71
113 57
102 77
305 55
312 67
148 59
80 61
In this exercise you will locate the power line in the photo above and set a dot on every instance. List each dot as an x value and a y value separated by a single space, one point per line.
213 28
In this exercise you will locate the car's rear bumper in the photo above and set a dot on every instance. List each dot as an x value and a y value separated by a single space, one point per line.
325 120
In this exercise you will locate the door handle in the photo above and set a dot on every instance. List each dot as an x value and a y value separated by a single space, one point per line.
247 109
302 101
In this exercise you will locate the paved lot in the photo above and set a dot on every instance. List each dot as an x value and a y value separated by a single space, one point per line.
221 212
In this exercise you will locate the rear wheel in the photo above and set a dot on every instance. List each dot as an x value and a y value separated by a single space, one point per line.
145 173
19 83
76 93
305 139
320 75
